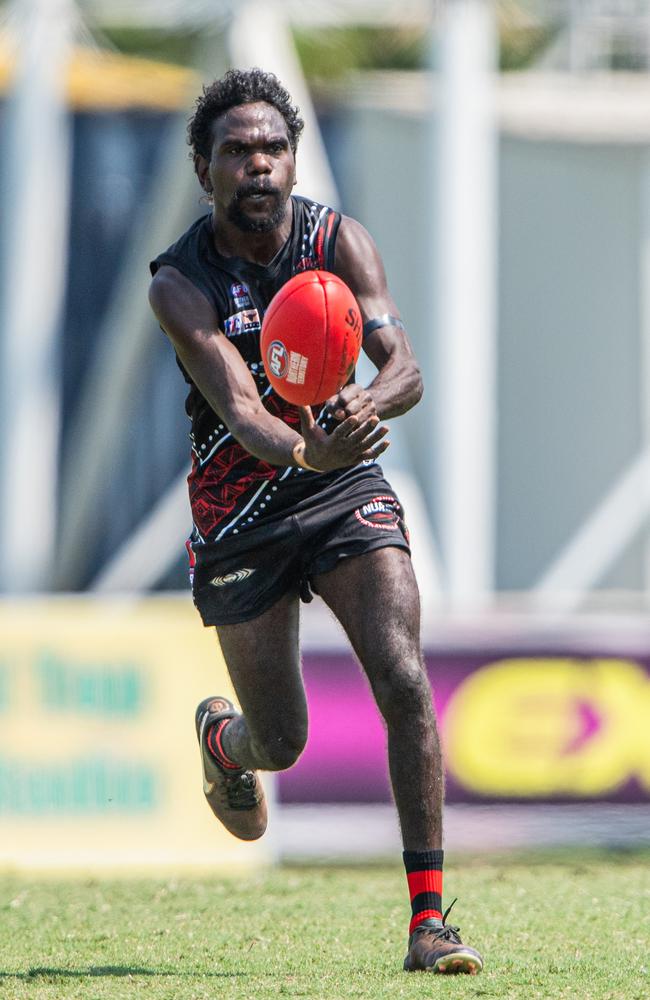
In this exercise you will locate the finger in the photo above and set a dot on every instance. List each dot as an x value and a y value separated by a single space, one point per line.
356 406
351 400
372 439
367 434
354 423
335 402
348 401
337 408
306 418
375 452
346 427
366 414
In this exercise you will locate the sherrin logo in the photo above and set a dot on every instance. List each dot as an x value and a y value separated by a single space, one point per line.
237 576
277 358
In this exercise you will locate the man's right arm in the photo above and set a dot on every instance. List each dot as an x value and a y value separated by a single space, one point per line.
221 376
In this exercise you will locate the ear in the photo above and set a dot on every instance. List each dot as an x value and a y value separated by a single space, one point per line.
202 169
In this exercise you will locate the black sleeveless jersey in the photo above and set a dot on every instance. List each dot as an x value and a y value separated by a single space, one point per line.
230 489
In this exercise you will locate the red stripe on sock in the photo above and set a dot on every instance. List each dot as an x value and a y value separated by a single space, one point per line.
423 915
425 881
216 746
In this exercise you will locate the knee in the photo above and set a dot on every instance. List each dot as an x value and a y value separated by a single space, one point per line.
403 692
279 750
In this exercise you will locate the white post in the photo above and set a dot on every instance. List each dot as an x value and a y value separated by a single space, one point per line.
33 258
465 225
260 36
644 367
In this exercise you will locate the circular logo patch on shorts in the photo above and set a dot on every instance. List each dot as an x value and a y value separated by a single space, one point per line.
380 512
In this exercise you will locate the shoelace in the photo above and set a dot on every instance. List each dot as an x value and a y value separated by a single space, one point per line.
445 933
241 790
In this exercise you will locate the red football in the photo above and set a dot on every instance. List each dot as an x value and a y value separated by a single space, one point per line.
311 337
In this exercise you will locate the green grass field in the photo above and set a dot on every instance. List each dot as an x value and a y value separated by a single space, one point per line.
576 926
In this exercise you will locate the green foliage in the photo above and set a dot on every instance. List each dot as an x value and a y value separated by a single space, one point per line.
164 46
576 930
331 53
521 46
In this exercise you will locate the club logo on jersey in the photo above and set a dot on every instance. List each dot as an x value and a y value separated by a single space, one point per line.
241 296
237 576
380 512
277 358
246 321
306 264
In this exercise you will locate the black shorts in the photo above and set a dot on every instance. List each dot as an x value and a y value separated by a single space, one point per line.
240 577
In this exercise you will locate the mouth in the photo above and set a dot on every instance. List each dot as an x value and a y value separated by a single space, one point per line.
257 194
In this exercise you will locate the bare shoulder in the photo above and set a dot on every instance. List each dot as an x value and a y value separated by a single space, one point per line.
168 284
354 242
357 260
178 303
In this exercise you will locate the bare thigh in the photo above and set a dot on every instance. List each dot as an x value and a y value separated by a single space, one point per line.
375 597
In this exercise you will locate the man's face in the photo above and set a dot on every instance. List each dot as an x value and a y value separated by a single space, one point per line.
252 169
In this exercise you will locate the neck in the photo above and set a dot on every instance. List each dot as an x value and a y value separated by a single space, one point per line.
259 248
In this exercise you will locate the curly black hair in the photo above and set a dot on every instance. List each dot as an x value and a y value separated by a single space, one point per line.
240 87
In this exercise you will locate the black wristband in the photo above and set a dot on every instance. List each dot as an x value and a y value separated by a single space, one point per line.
385 320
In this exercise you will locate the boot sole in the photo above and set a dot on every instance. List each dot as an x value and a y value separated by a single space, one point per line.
457 963
450 965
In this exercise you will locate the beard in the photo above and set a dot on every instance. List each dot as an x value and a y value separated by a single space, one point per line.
237 215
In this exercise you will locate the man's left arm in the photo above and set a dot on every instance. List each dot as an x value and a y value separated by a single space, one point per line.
398 383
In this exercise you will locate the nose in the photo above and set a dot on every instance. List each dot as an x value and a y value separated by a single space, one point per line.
258 163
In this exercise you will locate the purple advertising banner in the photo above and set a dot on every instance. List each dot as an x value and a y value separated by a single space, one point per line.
515 726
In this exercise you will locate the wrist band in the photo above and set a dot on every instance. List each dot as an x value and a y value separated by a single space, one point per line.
298 453
385 320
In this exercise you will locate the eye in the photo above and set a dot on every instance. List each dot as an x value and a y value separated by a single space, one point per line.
276 148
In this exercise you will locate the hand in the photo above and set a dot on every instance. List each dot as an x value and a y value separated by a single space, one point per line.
352 400
358 438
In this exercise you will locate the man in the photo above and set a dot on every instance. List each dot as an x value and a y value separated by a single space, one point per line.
280 494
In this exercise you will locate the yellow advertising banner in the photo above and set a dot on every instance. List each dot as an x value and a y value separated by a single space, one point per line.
570 726
99 763
543 727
